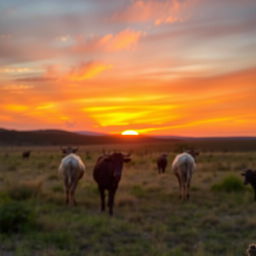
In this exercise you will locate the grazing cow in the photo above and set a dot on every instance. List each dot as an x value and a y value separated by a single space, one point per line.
183 167
250 178
72 168
107 173
26 154
162 163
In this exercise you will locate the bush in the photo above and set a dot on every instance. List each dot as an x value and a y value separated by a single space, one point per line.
230 184
15 217
23 191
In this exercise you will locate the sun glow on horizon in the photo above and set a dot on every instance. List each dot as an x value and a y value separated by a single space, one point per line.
130 132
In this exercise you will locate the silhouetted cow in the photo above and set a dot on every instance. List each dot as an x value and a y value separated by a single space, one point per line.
107 173
162 163
250 178
26 154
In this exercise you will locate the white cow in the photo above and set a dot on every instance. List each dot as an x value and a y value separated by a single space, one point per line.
183 167
72 169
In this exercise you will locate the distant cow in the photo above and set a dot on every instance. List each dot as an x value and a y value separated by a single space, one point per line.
107 173
250 178
183 167
162 163
72 168
26 154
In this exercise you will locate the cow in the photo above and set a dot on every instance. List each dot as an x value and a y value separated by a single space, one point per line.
183 167
72 169
250 178
162 163
107 174
26 154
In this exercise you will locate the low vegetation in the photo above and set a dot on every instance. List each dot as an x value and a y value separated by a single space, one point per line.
149 218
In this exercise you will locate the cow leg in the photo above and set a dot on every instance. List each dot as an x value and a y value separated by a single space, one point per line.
66 183
72 192
102 197
111 196
180 186
188 189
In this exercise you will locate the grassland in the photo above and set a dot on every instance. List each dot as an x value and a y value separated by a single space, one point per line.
149 218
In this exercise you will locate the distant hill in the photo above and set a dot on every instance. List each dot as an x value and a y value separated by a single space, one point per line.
165 143
60 137
91 133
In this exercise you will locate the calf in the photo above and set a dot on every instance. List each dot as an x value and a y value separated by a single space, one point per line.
162 163
107 174
72 169
250 178
183 167
26 154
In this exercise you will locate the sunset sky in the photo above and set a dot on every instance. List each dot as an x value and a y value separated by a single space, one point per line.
160 67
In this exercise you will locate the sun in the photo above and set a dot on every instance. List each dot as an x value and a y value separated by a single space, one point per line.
130 132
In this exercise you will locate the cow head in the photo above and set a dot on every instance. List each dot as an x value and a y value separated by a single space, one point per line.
68 150
193 153
117 160
249 176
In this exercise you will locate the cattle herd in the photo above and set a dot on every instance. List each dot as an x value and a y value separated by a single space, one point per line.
107 173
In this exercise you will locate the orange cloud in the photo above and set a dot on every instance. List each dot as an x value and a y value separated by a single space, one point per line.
158 12
87 71
124 40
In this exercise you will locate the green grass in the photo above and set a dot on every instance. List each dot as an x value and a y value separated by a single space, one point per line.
149 219
230 183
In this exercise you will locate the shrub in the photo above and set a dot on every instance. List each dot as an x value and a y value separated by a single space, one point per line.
23 191
230 183
15 217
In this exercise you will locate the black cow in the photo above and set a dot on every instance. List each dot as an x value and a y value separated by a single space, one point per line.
250 178
26 154
107 173
162 163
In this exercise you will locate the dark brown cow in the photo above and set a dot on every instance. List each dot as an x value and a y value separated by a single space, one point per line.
26 154
250 178
107 173
162 163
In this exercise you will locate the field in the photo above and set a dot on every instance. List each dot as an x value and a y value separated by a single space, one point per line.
149 219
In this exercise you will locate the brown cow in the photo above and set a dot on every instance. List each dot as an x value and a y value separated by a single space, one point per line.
162 163
107 173
26 154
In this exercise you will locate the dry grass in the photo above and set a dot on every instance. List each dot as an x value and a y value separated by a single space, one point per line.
149 218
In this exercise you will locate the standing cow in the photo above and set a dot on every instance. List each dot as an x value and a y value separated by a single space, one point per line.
72 169
162 163
183 167
250 178
26 154
107 173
